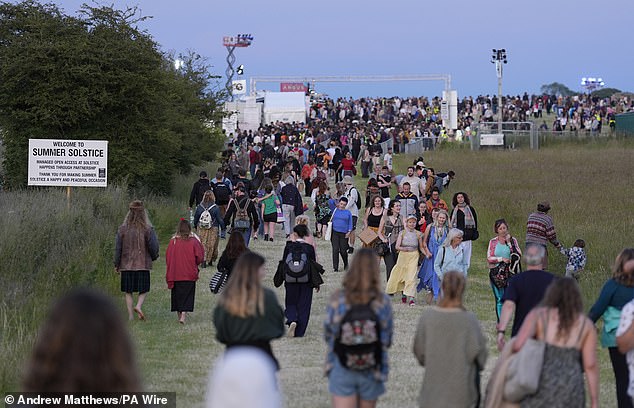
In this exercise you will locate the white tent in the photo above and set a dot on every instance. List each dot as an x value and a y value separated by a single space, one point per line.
285 107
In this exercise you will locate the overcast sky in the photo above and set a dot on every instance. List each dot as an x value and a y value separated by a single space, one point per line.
546 41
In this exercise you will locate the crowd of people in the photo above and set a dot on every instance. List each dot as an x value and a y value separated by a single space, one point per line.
426 246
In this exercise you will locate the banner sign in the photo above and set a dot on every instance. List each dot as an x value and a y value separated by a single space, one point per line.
239 87
293 87
75 163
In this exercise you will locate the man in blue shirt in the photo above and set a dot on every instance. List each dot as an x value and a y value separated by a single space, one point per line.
341 228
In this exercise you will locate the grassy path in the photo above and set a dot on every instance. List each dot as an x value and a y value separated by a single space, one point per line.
178 358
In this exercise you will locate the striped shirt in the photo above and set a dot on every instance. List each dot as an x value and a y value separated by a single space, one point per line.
540 229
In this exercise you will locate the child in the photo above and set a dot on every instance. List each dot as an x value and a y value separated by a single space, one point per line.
576 259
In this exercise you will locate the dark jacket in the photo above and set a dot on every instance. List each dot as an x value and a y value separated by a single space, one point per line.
291 196
470 234
316 270
198 191
232 209
135 250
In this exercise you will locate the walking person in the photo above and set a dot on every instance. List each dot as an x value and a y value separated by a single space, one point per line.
389 230
615 294
373 216
208 222
451 256
540 229
403 276
570 352
235 247
270 203
450 345
361 300
184 254
341 228
465 218
322 208
241 214
353 205
297 261
292 204
433 238
136 246
221 188
248 314
199 189
499 259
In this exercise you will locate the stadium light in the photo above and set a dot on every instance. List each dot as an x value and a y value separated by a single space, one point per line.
240 69
591 84
231 43
499 58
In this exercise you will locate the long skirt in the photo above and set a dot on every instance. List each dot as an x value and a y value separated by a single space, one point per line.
183 294
403 277
428 278
209 239
135 281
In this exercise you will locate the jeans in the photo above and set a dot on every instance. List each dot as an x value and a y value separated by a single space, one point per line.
339 244
252 168
246 234
289 218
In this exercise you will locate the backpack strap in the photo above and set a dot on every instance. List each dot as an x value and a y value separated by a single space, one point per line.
442 261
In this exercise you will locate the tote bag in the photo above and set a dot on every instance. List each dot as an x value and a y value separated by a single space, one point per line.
328 233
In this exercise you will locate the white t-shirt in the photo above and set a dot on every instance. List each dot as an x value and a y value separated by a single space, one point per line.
387 161
627 316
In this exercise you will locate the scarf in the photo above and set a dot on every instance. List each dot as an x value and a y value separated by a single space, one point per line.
469 221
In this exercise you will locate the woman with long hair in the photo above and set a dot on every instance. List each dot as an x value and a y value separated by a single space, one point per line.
361 288
247 314
322 208
389 229
373 216
449 341
433 238
409 244
499 255
616 293
136 246
465 218
184 254
83 346
235 247
209 229
270 203
571 342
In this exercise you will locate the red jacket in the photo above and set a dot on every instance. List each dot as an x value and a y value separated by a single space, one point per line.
183 257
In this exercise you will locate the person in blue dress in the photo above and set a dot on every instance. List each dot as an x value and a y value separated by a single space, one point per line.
434 236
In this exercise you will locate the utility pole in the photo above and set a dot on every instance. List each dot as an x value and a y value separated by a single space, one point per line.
499 58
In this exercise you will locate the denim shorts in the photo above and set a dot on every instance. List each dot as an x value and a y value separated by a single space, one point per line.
345 383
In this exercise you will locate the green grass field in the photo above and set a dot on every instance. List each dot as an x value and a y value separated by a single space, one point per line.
590 190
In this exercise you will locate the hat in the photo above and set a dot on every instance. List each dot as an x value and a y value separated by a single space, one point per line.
348 180
420 164
411 216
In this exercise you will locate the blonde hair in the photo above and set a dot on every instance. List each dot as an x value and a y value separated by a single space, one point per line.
209 197
362 282
244 296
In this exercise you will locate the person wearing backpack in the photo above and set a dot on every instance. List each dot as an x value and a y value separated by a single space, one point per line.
358 332
208 222
242 214
221 187
295 269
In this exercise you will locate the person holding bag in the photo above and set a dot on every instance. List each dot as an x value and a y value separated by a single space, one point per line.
372 220
340 226
465 218
569 350
389 229
501 248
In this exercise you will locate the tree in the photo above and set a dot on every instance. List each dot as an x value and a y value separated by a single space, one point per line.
557 89
98 76
604 93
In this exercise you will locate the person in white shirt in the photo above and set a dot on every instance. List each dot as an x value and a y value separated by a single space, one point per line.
352 194
416 184
387 159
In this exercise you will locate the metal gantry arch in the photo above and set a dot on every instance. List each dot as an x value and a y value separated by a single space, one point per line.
446 78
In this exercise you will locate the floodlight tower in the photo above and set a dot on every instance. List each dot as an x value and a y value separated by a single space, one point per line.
499 58
592 84
239 41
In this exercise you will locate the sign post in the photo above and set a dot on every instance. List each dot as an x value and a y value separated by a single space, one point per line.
68 163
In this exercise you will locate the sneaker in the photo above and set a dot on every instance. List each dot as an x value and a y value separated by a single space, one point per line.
336 269
291 329
412 303
403 299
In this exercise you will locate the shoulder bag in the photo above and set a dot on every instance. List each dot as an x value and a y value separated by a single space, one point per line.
218 281
328 232
525 369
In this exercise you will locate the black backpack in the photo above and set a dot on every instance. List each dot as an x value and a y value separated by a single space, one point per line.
222 193
358 343
297 266
358 202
